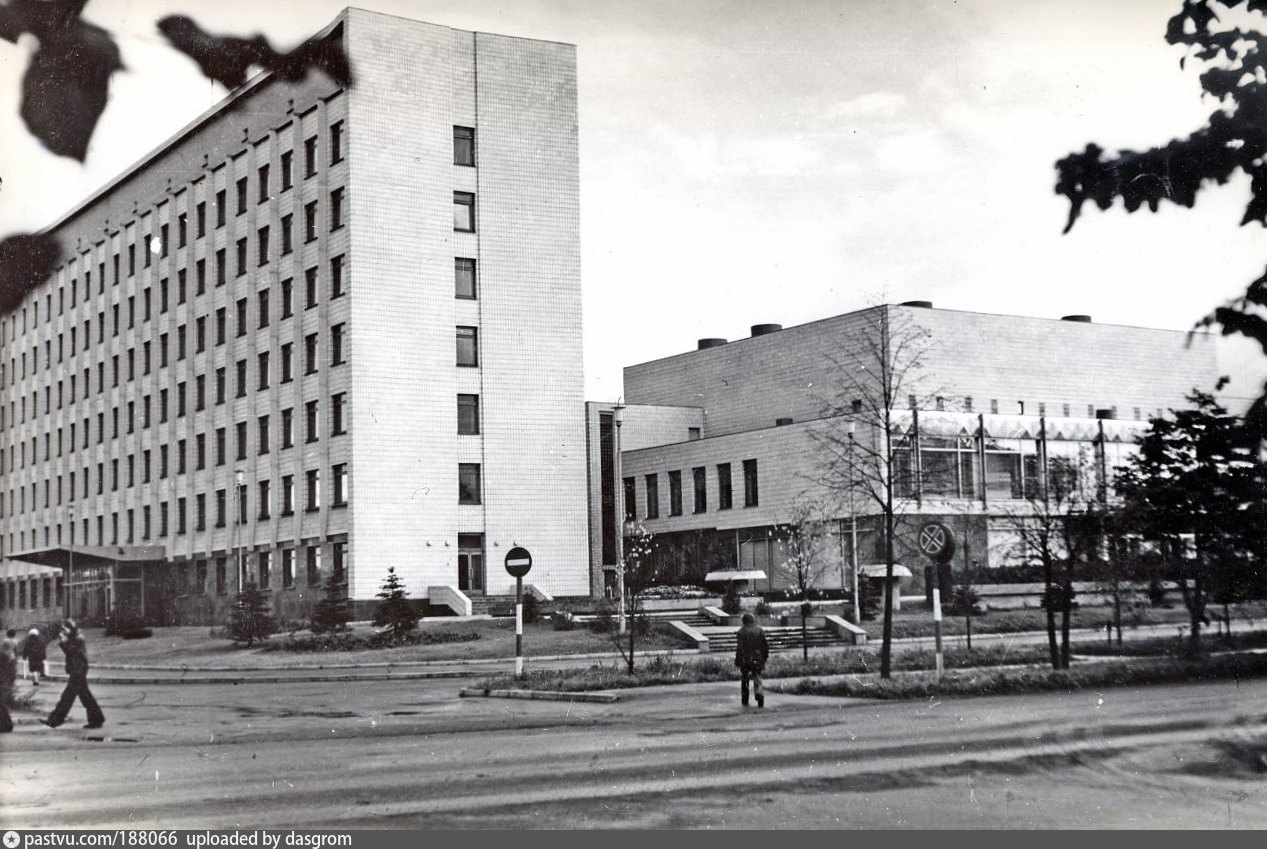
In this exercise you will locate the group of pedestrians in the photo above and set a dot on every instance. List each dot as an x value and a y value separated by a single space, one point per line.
33 649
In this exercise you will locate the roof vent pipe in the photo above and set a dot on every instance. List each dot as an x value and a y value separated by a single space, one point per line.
711 342
764 329
1081 319
927 305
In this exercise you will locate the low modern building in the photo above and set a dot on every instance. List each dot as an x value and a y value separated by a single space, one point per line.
983 410
319 331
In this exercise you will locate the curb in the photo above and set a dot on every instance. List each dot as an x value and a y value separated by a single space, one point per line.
273 679
538 695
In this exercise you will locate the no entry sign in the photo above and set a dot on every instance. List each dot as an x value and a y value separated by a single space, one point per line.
518 562
936 541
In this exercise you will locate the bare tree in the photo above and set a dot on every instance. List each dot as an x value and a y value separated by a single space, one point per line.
1057 525
865 454
805 539
641 573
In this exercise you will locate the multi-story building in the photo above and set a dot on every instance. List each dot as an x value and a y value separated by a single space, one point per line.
723 445
319 331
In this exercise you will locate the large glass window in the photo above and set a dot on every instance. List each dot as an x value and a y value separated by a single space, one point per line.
653 496
468 414
750 483
468 346
464 212
701 489
464 278
675 493
725 495
469 483
463 145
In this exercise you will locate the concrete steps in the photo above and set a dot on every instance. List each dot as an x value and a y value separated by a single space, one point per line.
781 639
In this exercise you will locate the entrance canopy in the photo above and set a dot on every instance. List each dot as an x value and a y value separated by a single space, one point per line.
879 570
60 557
732 575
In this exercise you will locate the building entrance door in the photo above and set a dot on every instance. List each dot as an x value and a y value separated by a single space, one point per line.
471 562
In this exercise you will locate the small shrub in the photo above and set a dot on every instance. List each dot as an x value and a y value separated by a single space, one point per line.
1157 593
869 598
603 622
731 602
563 620
764 608
250 618
531 609
331 612
965 600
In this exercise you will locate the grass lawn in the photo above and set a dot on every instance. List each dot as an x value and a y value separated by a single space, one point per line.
493 638
917 622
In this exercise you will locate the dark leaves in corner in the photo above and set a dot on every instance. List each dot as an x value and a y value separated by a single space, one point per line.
227 59
68 82
26 261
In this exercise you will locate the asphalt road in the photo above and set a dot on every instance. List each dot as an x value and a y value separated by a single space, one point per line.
392 754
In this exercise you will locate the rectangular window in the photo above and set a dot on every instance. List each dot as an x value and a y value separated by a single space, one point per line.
336 142
675 493
336 209
241 378
701 489
262 308
221 445
221 385
221 270
261 370
241 254
313 479
200 219
464 212
749 483
288 494
468 483
339 475
310 288
200 512
310 221
200 277
263 183
263 434
336 344
312 564
241 194
287 234
288 297
261 257
468 414
200 334
631 500
221 499
200 451
242 505
241 322
288 567
222 580
338 286
287 162
310 156
240 439
264 499
468 346
264 569
464 278
287 354
463 145
310 354
653 496
338 414
725 497
288 427
312 422
182 230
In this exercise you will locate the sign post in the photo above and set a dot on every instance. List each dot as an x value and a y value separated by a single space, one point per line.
936 541
518 562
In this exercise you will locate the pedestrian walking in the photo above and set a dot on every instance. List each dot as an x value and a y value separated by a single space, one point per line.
10 642
8 676
751 652
76 652
33 649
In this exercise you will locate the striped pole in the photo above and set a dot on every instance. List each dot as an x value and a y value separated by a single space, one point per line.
937 626
519 628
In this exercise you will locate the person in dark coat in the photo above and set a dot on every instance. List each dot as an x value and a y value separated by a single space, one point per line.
76 652
8 675
751 652
33 649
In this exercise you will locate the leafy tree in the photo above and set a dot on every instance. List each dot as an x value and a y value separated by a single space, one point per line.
1199 475
331 613
251 618
641 573
860 444
804 539
394 612
1233 139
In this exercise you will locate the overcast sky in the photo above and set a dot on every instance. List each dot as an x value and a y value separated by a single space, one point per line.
750 161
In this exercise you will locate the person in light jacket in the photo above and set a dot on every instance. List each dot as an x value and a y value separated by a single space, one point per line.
751 652
8 675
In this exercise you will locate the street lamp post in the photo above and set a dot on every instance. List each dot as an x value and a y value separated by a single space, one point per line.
619 485
238 476
853 534
70 568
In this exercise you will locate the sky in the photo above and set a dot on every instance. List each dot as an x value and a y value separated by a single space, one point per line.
750 161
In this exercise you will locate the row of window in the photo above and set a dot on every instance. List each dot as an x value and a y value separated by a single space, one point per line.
264 432
699 479
201 577
283 500
67 342
1066 410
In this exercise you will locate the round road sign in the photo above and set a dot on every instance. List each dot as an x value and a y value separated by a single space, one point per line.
936 541
518 562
